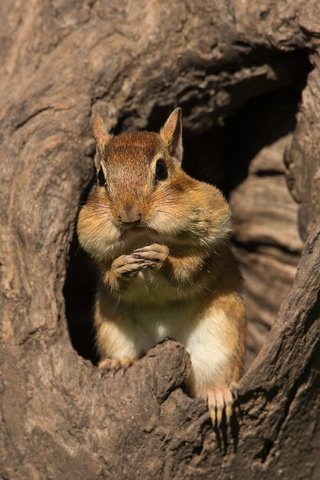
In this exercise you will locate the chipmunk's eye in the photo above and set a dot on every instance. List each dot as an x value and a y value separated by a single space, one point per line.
101 178
161 170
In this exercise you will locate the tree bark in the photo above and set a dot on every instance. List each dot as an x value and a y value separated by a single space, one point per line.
61 61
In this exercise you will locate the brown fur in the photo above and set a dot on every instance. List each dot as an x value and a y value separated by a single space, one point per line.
173 274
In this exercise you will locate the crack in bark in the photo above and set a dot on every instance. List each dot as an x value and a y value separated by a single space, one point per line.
31 116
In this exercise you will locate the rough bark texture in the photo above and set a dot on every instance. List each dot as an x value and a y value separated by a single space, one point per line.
223 62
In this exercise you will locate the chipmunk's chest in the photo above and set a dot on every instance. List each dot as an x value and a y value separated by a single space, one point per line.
148 286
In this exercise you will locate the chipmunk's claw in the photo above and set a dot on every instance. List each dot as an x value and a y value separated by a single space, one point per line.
155 254
220 401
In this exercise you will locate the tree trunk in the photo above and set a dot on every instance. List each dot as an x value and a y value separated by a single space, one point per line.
240 71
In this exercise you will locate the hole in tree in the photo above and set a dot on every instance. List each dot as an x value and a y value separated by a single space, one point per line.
79 292
242 154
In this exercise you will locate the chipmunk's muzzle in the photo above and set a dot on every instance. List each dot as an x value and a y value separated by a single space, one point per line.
129 213
127 225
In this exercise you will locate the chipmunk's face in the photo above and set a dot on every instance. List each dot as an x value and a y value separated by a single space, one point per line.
135 168
142 188
137 179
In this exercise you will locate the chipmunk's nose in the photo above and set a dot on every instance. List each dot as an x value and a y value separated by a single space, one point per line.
129 215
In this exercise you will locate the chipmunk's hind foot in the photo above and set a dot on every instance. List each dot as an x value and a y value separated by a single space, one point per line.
220 403
115 364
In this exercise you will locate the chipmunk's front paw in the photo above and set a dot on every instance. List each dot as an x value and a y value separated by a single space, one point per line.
127 266
115 364
154 254
220 401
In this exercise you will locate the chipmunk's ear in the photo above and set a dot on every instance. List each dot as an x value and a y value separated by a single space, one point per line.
100 133
171 134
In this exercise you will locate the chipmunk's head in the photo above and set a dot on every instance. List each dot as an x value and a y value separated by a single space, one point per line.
141 186
135 169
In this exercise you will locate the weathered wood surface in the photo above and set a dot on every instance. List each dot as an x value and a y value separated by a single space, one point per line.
62 418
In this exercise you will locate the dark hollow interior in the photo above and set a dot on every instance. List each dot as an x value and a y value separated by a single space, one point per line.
221 156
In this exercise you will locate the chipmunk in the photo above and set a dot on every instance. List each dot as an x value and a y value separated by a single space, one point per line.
159 238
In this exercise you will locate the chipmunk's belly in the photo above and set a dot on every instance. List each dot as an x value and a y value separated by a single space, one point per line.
163 321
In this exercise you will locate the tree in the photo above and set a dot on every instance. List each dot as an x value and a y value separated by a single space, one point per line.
62 417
